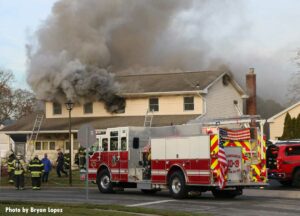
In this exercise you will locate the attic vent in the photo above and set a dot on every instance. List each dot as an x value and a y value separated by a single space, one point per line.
226 80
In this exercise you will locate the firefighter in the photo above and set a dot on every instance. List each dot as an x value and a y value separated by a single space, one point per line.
19 170
36 167
60 164
80 158
10 167
67 161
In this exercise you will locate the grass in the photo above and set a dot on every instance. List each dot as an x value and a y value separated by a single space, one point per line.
88 209
53 180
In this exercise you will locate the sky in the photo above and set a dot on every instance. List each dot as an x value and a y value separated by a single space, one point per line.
260 34
18 21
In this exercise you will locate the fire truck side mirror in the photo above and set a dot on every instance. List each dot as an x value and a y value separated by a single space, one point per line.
136 142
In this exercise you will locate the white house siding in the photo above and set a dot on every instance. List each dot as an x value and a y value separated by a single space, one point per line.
220 101
4 144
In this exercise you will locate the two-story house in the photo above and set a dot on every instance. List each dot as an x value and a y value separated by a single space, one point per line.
173 98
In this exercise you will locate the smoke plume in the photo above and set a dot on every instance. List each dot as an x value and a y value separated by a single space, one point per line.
83 44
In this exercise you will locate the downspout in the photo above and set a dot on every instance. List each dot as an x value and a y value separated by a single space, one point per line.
204 109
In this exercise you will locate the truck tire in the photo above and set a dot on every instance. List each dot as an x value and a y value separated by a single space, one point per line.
103 182
177 185
296 178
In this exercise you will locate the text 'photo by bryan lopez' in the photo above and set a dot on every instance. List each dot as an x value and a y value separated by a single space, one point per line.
35 210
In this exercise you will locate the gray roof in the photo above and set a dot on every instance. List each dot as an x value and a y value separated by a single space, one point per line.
25 124
167 82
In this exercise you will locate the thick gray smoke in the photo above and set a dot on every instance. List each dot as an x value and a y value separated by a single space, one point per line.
82 39
83 43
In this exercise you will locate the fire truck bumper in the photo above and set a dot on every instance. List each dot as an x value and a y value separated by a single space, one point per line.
233 185
248 184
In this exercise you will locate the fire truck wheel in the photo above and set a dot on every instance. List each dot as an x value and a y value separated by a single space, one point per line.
177 186
296 178
104 183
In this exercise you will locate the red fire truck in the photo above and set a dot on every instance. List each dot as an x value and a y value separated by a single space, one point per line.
181 158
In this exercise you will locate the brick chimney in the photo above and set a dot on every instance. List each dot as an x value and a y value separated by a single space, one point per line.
251 91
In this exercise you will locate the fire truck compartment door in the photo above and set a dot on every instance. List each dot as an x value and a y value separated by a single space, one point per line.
234 160
194 147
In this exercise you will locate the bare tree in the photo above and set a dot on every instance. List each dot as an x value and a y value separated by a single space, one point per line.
294 87
23 103
14 104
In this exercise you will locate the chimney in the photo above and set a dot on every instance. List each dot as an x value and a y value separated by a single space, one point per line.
251 91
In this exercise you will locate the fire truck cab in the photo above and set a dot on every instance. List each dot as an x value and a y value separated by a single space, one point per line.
181 158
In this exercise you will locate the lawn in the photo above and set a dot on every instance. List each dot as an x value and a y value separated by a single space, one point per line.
45 209
53 180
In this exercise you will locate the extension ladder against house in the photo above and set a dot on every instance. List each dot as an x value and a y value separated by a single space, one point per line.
34 135
148 118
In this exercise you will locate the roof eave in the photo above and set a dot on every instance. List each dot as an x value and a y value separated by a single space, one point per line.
143 94
272 119
40 132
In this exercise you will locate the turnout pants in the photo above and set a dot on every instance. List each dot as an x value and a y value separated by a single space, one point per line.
36 182
19 181
59 169
11 176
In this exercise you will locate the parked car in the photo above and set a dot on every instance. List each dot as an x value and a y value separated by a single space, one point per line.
283 162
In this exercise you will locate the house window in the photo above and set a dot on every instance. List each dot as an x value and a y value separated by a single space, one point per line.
188 103
51 145
88 108
56 109
153 104
38 146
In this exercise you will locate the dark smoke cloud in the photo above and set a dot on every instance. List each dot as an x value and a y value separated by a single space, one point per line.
83 42
82 39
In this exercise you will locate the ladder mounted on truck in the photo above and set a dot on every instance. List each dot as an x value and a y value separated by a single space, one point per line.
244 119
148 118
34 134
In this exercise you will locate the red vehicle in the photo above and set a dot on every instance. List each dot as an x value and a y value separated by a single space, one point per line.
180 158
283 162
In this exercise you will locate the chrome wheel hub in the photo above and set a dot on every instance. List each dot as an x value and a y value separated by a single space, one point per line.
176 185
105 182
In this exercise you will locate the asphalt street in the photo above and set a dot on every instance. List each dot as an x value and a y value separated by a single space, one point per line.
274 200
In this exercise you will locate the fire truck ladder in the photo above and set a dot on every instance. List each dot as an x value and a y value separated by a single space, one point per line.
148 118
34 134
240 113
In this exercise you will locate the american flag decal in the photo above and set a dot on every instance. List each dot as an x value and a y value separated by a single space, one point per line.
242 134
222 160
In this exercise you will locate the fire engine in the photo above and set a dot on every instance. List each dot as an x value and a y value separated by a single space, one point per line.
181 158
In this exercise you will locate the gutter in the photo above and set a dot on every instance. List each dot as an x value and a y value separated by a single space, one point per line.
128 95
